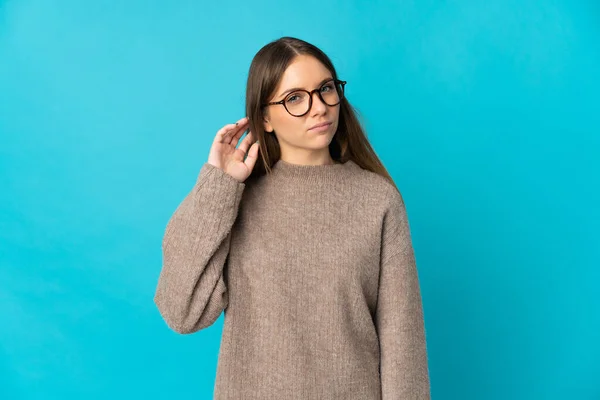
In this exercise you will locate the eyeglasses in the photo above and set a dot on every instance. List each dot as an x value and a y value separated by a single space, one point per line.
299 102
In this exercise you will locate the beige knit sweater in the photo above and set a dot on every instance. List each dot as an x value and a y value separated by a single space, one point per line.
315 270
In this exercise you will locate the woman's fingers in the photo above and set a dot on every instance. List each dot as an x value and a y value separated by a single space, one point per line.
225 134
233 135
250 160
248 140
223 131
237 135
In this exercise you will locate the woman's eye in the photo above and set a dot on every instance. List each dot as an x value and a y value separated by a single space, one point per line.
327 87
294 98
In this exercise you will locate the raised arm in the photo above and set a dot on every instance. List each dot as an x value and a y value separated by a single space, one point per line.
191 292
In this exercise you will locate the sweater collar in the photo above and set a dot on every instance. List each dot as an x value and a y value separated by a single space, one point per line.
301 173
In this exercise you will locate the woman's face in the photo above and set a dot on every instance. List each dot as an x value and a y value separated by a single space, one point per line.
297 140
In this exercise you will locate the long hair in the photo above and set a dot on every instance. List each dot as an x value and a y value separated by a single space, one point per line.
266 70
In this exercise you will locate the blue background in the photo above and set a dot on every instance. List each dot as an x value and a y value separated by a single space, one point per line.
485 113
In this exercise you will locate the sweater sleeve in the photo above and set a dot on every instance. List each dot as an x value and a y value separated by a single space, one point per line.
191 292
399 313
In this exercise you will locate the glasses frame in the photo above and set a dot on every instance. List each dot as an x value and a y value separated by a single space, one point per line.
310 97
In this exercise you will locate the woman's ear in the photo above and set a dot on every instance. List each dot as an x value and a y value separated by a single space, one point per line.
267 125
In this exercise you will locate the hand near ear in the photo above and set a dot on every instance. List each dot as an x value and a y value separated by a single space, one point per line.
224 154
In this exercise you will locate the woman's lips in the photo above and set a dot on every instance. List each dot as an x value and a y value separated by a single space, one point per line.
321 128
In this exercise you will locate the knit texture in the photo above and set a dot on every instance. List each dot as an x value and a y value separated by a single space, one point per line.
314 269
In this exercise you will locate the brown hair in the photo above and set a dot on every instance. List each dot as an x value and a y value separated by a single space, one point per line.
266 70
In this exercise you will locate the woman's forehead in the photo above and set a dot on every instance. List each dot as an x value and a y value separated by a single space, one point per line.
304 72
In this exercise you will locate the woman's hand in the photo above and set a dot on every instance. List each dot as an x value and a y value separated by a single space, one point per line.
223 153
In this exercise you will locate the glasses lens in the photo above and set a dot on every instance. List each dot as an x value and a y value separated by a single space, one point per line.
331 93
297 102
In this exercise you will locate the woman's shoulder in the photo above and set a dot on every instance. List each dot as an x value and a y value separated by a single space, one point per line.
375 183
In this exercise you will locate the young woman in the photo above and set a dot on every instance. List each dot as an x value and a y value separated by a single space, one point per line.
308 252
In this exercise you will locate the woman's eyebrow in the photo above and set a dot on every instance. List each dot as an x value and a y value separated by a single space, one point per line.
291 90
